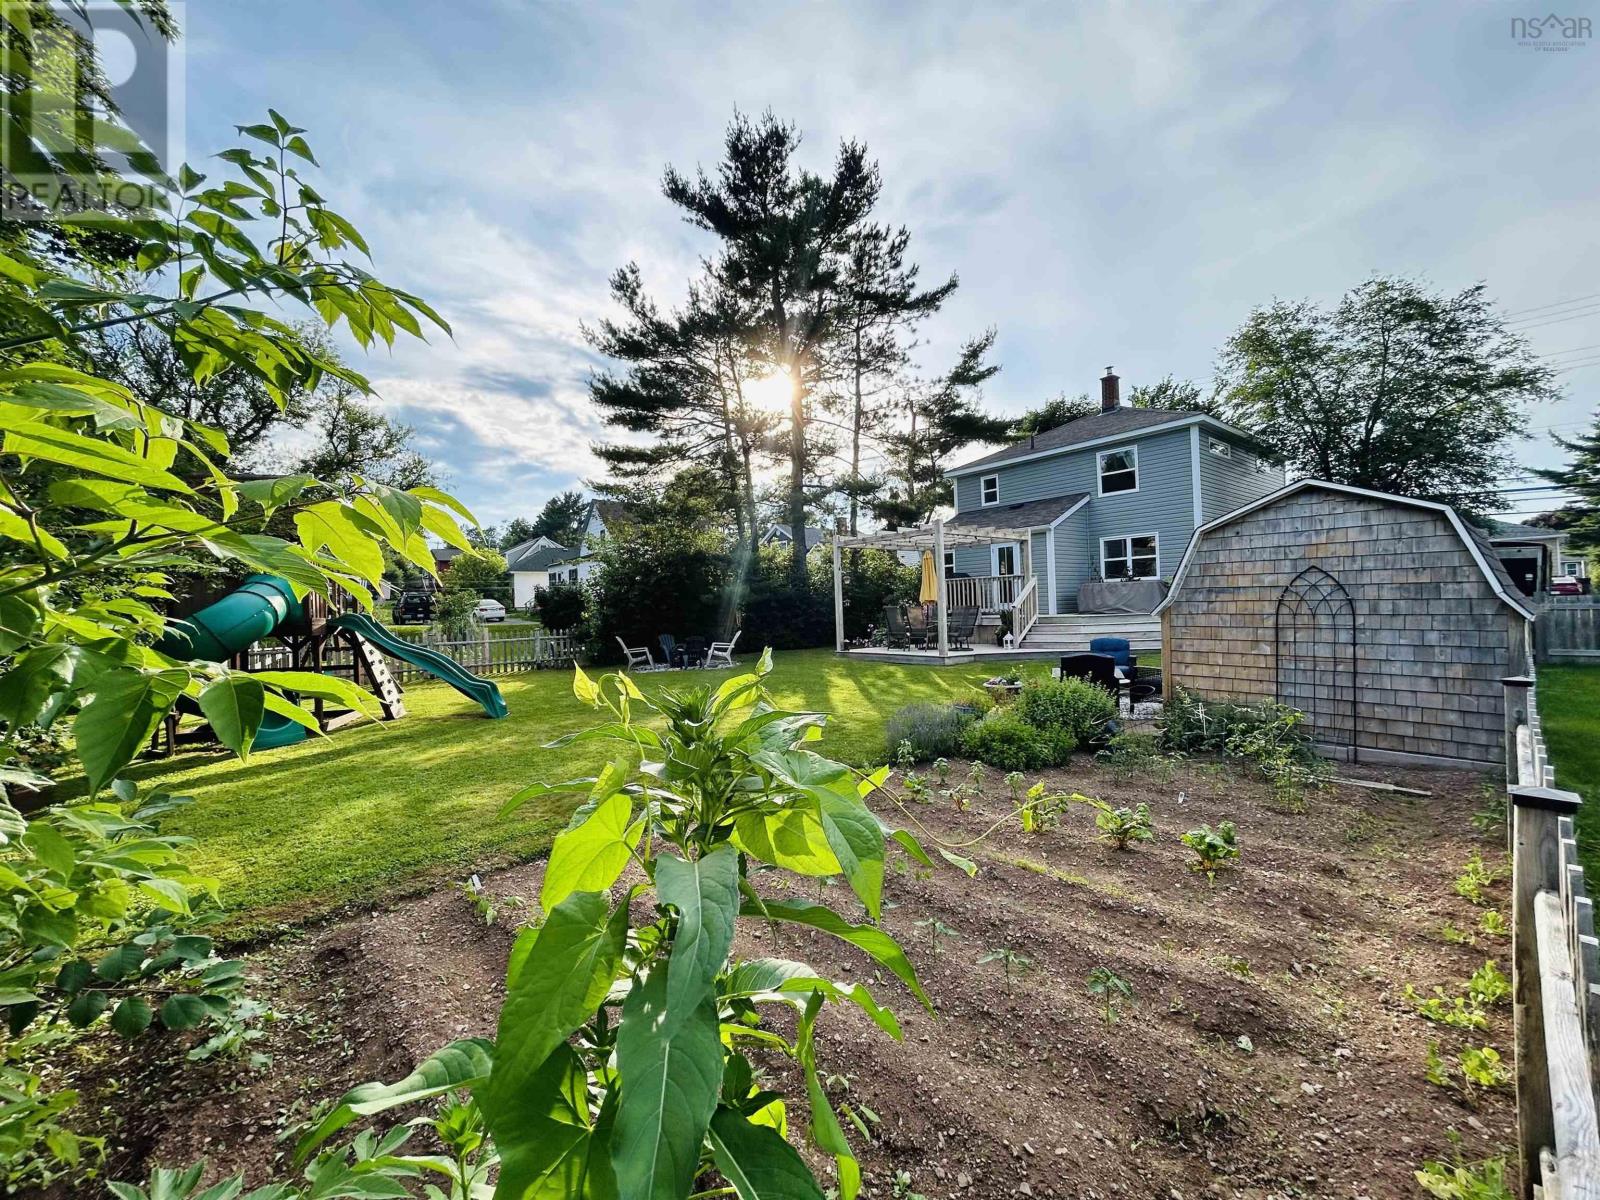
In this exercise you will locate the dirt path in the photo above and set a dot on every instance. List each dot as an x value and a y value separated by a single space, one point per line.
1267 1050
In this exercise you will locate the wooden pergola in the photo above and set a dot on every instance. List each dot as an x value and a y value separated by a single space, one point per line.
934 538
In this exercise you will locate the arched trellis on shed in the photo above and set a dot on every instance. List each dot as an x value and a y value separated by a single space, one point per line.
1314 647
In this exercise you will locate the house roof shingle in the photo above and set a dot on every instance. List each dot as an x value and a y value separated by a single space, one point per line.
1029 514
1115 423
1510 531
537 558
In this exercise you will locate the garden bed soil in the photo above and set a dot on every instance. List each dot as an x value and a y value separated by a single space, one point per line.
1267 1052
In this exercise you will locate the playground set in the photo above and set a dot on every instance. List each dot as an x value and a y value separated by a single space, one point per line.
309 633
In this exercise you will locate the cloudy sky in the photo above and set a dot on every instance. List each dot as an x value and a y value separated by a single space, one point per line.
1115 184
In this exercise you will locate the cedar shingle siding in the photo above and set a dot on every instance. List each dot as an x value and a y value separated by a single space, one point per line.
1432 639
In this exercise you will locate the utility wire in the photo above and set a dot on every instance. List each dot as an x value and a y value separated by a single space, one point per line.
1557 304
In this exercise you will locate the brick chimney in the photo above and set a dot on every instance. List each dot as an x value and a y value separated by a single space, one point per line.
1110 392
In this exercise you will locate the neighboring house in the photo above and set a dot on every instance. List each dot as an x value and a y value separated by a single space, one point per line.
1113 495
530 565
578 564
783 535
443 556
1532 555
1389 622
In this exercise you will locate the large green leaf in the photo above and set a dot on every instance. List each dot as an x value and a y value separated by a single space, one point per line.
791 838
32 678
462 1064
335 526
115 725
706 894
856 839
757 1161
327 687
557 977
234 705
589 857
875 942
671 1070
555 1153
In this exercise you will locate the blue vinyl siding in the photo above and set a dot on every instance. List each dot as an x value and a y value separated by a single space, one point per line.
1163 505
1230 483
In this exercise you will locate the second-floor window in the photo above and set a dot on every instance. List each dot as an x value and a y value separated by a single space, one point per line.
989 489
1119 470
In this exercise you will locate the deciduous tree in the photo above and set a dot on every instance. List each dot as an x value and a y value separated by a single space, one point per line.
1395 388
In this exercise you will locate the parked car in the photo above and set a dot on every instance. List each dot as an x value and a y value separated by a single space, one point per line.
413 608
1566 585
491 610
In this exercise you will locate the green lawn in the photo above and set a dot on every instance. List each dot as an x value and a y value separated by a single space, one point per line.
1569 703
375 809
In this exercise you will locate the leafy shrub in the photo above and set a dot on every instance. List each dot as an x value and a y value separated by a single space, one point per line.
560 606
39 748
1120 827
1136 754
455 614
103 932
1213 848
931 731
1484 1180
1004 740
1074 706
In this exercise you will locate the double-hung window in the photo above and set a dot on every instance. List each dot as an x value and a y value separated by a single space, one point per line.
989 488
1119 470
1135 557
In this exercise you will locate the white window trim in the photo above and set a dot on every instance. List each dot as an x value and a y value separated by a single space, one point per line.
1128 537
994 557
949 563
983 487
1218 448
1099 471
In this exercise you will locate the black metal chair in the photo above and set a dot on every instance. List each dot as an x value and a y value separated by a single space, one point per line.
1098 669
918 628
963 623
896 638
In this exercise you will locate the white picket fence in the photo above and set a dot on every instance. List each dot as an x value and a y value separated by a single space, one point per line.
486 655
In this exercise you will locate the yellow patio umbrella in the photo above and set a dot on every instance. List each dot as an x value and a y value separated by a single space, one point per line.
929 591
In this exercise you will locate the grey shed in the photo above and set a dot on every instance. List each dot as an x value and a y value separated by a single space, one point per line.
1388 621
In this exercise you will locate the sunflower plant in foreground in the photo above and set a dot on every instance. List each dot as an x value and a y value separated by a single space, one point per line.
622 1064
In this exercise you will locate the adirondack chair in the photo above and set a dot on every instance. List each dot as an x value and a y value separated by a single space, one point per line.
638 657
721 653
896 625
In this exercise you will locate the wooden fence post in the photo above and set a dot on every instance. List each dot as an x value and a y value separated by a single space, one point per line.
1536 813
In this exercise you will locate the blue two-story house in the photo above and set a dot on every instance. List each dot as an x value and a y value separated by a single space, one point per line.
1111 496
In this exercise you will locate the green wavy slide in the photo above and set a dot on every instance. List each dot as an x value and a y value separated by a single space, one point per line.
474 687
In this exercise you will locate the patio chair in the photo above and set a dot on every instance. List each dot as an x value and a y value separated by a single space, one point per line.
1118 650
669 645
693 652
1098 669
918 629
963 623
638 657
721 653
896 639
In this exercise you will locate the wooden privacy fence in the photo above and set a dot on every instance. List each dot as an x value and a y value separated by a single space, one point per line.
1568 629
1555 969
490 656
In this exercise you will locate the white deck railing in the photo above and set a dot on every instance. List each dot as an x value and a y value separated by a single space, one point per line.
1025 612
986 593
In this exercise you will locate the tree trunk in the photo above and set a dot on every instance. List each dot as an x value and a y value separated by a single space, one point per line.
797 479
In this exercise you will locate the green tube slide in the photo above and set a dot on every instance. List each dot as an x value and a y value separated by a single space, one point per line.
244 616
474 687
